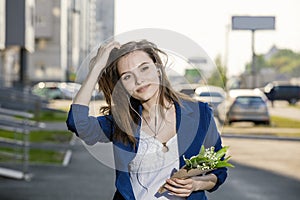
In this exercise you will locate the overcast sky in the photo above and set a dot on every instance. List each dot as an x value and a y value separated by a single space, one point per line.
206 22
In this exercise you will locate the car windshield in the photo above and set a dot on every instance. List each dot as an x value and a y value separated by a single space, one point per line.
210 94
249 100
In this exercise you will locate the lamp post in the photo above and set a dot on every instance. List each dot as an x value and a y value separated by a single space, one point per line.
253 67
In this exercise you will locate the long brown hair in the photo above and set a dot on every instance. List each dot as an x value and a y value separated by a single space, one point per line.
120 105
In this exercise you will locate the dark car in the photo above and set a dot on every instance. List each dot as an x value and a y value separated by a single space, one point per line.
286 92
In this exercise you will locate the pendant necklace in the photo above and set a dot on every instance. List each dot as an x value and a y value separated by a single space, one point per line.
165 148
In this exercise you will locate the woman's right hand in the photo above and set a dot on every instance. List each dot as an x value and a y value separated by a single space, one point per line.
99 61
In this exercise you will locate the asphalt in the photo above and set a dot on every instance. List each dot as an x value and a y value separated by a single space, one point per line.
250 183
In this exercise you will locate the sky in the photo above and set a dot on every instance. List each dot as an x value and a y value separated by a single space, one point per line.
208 23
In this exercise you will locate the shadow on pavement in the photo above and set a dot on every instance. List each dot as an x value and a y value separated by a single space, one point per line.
250 183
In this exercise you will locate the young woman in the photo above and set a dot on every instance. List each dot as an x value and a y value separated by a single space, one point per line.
151 126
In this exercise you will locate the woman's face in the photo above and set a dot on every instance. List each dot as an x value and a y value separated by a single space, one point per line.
139 75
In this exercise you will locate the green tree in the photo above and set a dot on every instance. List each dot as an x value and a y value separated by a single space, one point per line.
260 63
219 75
285 61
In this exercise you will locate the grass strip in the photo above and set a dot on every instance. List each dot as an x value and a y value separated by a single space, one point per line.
50 136
51 116
295 106
40 136
282 122
35 155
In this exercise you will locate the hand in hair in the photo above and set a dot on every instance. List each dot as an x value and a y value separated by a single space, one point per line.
97 63
102 55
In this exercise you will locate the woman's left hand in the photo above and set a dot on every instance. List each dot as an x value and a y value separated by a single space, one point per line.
181 187
184 187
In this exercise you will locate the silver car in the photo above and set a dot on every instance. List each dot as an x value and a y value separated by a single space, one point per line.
211 94
60 90
245 105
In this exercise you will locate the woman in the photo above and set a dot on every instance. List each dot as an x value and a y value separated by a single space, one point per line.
151 126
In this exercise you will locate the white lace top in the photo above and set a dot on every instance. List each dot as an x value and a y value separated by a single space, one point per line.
152 166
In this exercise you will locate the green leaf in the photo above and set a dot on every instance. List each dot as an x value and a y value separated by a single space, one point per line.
200 160
187 162
224 164
202 151
221 152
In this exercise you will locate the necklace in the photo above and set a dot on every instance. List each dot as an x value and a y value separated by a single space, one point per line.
165 148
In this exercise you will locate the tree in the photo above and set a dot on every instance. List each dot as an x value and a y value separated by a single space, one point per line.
285 61
219 75
260 63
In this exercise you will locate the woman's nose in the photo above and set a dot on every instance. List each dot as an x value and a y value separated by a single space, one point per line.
138 79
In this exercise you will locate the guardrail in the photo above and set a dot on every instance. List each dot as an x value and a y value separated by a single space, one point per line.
17 122
21 100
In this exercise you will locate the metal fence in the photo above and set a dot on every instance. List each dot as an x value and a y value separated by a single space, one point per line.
18 108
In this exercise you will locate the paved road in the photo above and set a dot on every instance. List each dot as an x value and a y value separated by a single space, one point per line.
86 178
248 183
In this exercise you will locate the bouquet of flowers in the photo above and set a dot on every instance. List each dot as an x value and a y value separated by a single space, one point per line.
207 160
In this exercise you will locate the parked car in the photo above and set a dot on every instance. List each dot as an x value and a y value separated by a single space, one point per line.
279 91
245 105
60 90
48 90
187 88
211 94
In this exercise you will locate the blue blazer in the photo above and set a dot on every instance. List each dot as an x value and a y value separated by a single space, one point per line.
194 125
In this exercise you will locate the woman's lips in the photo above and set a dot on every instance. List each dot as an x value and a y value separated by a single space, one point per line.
142 89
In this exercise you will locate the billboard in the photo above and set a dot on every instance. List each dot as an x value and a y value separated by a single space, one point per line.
19 24
253 23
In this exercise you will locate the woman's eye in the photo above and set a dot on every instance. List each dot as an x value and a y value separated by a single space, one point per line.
145 68
126 77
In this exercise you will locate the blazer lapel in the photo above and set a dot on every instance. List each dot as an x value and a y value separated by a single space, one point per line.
187 124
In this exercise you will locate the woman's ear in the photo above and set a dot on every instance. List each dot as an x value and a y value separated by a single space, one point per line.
158 71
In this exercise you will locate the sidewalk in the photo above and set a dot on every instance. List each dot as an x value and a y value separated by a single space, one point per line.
83 178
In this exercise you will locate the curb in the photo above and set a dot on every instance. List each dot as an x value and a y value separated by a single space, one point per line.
67 158
260 137
68 155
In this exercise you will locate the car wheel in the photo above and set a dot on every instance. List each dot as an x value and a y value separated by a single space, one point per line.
266 123
292 101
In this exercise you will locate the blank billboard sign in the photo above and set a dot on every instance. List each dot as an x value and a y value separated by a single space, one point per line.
253 23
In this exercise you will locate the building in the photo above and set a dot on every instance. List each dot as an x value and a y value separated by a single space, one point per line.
64 34
64 30
16 40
